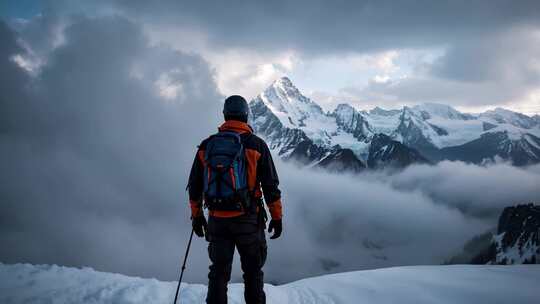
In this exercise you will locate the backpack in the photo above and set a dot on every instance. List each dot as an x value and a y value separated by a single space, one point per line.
225 175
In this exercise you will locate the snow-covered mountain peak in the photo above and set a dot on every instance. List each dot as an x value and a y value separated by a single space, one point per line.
344 111
504 116
285 89
353 122
289 105
428 110
344 106
502 111
284 82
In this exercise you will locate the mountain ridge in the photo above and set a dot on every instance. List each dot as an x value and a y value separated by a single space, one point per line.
296 127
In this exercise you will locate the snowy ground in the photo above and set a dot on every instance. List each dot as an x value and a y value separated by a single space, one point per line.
24 283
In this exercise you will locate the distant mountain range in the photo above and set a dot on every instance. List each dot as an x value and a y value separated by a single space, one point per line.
348 139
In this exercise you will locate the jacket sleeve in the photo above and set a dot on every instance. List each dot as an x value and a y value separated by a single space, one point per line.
195 184
268 177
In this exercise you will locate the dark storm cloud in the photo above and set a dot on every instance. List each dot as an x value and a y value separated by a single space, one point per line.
325 26
508 56
12 77
94 162
41 34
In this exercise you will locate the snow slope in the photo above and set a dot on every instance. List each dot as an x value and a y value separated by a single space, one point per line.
24 283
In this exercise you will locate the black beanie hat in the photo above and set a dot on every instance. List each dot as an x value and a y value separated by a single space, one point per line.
235 106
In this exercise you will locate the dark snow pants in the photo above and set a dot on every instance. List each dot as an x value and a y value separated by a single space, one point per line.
246 233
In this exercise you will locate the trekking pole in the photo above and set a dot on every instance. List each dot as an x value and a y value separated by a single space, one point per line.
183 267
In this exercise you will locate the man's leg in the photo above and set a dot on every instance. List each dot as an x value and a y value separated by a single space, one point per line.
251 245
220 251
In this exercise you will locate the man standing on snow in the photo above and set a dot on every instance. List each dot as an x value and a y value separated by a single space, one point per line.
231 171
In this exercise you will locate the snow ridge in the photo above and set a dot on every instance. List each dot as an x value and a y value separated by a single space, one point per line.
25 283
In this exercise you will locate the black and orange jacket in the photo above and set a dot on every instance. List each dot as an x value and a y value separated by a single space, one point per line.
262 177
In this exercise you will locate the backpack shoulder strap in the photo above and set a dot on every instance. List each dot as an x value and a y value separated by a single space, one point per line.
230 134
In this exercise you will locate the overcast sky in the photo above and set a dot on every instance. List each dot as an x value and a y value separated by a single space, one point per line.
103 105
474 55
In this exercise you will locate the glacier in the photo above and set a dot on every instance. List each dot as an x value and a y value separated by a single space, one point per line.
26 283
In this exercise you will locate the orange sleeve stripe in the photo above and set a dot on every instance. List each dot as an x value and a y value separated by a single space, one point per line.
252 157
276 210
196 209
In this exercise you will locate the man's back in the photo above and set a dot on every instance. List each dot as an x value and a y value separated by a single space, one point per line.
243 227
261 173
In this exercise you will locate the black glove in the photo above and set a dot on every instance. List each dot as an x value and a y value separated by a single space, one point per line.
277 227
199 225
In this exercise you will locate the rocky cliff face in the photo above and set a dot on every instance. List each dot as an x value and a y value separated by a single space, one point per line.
342 160
352 121
516 240
385 152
